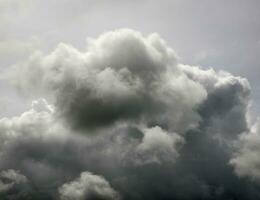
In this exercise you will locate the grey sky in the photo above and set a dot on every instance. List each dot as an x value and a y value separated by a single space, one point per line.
220 34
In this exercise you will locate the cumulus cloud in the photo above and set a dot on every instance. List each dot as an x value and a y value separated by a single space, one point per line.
45 151
141 70
158 145
228 99
26 139
246 160
88 186
127 110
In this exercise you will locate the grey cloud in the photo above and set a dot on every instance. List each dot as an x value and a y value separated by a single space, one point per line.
9 179
158 145
13 185
228 100
37 144
122 76
13 176
88 186
127 110
246 158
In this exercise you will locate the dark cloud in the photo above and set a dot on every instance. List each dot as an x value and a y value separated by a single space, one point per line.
14 185
126 120
246 159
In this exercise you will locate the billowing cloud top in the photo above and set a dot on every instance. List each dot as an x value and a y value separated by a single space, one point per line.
125 120
88 186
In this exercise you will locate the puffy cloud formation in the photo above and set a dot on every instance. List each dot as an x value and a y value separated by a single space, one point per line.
122 76
9 178
125 109
158 145
87 186
246 160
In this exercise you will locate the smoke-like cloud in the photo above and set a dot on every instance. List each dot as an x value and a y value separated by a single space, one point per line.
11 178
131 122
87 186
13 185
246 159
122 76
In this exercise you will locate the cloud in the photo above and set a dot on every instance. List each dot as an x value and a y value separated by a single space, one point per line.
141 70
228 99
9 178
39 145
246 158
127 110
87 186
29 137
158 145
13 185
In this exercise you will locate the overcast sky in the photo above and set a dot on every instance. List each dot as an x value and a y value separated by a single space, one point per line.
180 121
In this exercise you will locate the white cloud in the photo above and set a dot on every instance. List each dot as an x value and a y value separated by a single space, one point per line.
246 160
158 145
88 186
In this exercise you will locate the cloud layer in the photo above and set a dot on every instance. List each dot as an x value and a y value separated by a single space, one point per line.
124 119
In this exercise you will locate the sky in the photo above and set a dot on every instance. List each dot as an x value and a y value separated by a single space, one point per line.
140 99
219 34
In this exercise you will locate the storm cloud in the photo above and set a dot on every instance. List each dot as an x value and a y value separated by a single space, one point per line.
126 120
